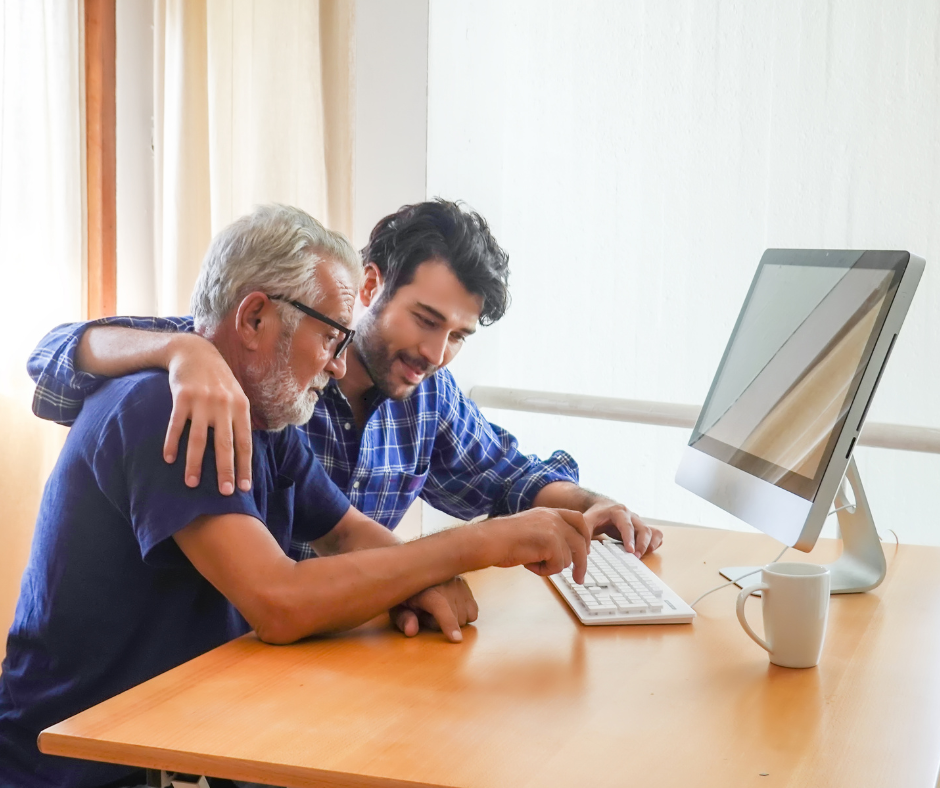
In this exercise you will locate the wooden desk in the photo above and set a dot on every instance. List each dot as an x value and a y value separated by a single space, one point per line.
532 698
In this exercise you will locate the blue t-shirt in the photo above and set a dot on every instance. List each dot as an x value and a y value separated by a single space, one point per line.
108 600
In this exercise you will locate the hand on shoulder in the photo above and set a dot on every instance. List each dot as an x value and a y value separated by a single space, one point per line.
206 393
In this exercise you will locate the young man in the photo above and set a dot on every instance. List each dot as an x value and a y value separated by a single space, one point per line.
397 426
132 572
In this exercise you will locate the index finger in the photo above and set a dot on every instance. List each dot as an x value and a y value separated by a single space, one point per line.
174 432
624 521
439 608
642 533
576 520
578 558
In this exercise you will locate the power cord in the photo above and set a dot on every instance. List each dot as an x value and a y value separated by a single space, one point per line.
732 582
758 569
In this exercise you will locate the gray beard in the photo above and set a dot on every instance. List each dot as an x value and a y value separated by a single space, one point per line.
276 395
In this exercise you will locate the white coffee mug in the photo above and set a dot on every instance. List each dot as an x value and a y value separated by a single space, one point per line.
795 603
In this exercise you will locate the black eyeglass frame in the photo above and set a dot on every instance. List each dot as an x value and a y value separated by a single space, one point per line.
348 333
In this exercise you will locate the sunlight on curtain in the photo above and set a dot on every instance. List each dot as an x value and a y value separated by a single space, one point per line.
40 246
239 98
40 176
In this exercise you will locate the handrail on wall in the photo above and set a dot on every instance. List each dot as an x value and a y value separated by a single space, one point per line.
669 414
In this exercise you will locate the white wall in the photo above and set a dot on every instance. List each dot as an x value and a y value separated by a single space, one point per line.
391 109
636 159
390 149
136 277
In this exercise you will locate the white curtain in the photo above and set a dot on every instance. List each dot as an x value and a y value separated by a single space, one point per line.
40 246
41 145
240 102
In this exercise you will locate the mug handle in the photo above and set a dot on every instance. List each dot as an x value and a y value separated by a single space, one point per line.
742 598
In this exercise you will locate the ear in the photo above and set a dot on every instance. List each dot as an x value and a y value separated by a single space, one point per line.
372 284
255 319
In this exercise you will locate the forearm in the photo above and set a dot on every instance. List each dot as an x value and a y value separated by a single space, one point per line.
567 495
339 592
366 536
114 351
284 600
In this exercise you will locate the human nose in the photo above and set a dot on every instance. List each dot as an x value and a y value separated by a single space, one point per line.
433 349
337 366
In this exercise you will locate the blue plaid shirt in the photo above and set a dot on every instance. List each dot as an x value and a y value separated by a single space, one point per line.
435 444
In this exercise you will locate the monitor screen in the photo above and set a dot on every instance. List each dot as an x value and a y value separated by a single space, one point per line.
794 362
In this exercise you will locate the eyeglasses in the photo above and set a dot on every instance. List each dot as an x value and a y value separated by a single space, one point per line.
348 333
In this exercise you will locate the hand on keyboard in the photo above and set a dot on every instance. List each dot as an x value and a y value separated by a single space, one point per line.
545 541
616 520
620 589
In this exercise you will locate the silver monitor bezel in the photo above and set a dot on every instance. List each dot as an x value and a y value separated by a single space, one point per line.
782 514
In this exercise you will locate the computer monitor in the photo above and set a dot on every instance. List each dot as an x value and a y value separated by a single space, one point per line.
775 436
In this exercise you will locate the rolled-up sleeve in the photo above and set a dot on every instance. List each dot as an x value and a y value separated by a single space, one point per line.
61 388
477 467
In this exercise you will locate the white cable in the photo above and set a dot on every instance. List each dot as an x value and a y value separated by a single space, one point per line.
732 582
755 571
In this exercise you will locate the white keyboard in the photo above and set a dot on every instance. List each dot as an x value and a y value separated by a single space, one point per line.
620 589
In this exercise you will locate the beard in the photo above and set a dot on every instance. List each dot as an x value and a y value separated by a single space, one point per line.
377 357
276 395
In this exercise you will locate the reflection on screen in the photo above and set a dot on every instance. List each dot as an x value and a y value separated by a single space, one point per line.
793 366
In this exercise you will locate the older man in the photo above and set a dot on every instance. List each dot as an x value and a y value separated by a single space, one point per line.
133 572
397 426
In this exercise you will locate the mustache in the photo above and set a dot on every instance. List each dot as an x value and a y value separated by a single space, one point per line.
320 381
418 363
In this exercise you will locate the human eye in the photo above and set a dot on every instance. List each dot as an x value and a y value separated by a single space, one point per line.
424 321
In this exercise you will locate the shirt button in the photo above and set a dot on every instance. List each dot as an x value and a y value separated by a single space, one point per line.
355 485
347 426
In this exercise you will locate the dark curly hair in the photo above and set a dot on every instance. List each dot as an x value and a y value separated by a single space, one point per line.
440 229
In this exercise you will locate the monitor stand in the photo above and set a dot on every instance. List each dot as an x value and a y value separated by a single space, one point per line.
861 567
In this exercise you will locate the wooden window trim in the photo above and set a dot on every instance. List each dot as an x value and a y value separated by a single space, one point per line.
101 157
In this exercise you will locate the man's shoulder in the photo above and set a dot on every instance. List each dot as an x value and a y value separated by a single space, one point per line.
443 384
147 384
451 401
145 394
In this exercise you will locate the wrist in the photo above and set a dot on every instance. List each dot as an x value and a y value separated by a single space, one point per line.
480 546
567 495
177 349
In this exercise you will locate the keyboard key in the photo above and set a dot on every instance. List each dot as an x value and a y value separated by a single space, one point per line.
619 588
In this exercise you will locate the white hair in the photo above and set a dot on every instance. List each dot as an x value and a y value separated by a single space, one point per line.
275 250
